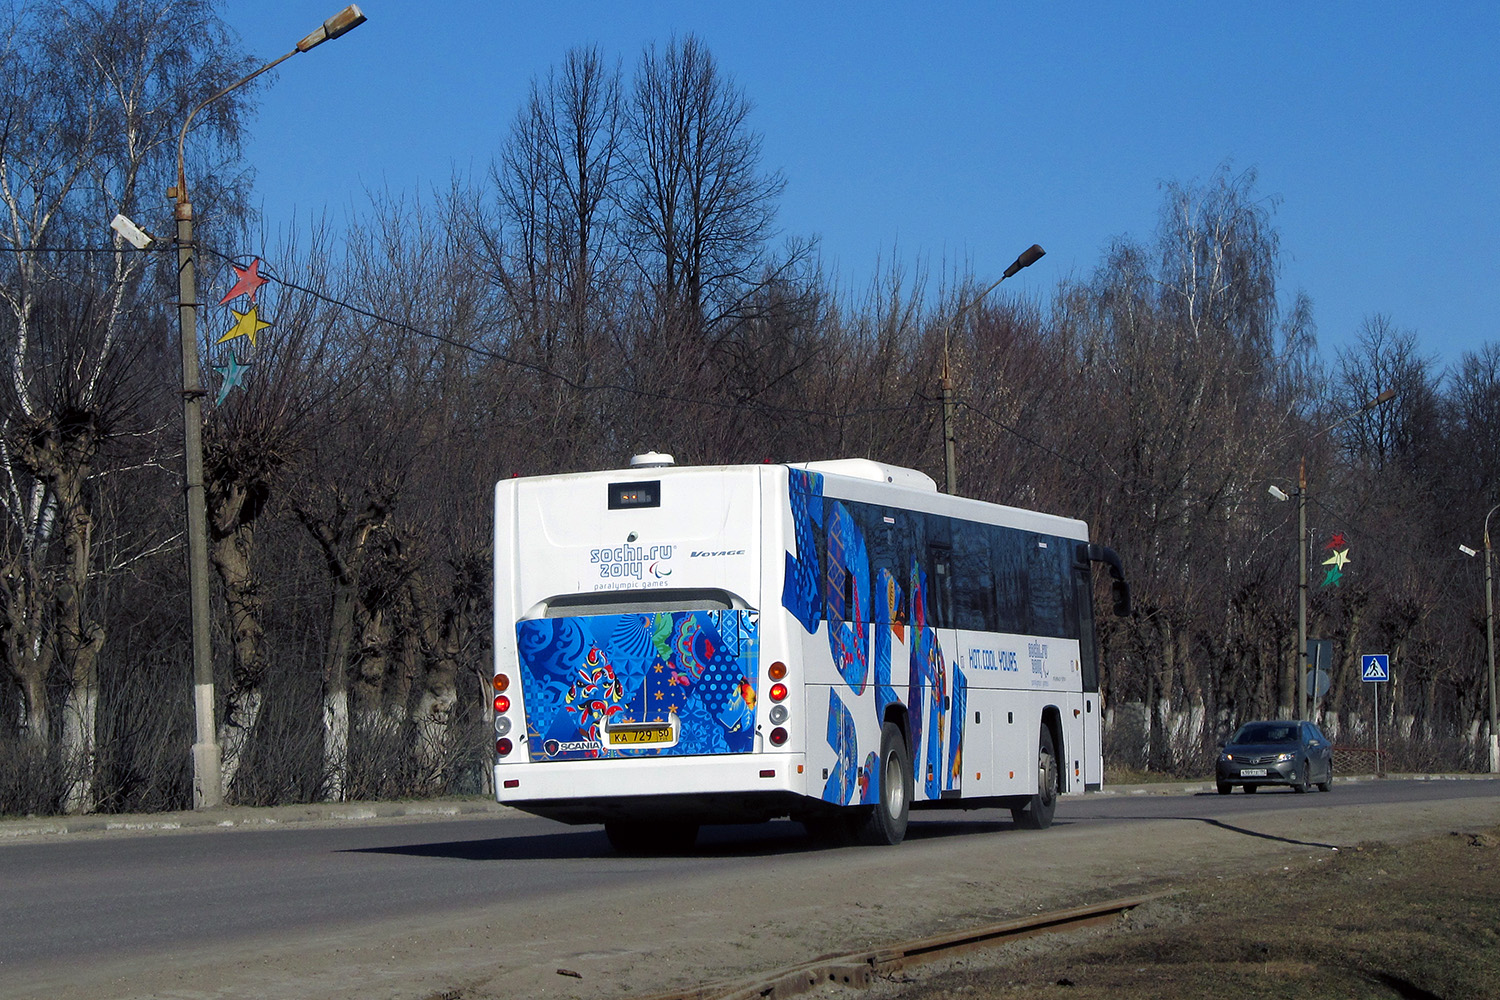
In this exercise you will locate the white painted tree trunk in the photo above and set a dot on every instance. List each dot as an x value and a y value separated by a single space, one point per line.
335 743
244 709
80 715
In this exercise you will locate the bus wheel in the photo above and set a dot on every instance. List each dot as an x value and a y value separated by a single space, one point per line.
1036 814
644 838
884 824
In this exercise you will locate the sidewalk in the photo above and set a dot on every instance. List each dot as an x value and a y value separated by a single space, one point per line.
267 817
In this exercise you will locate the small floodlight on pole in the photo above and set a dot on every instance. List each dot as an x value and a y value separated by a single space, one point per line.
1029 256
207 755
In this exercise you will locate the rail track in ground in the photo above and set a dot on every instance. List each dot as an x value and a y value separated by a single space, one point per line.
863 968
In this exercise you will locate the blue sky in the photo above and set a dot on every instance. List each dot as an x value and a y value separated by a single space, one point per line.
958 134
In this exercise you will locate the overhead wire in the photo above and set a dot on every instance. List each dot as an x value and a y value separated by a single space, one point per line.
270 275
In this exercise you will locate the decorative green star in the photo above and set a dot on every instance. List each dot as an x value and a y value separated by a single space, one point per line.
234 375
247 324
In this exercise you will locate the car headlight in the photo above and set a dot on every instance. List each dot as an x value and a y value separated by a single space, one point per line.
1284 757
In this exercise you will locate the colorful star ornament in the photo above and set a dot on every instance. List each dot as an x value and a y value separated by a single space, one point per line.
1337 561
247 324
247 281
234 375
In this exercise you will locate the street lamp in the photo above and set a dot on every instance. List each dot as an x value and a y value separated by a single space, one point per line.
1303 710
1029 256
207 756
1489 633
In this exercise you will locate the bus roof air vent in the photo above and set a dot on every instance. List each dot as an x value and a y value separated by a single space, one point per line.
879 472
651 460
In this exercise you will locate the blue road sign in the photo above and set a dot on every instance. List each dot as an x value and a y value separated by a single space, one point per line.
1375 667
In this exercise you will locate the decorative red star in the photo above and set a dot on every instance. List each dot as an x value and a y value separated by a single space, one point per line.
1337 542
249 281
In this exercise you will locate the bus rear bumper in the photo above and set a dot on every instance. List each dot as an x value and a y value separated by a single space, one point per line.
722 789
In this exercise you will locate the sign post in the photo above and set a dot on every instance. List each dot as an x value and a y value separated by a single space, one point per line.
1375 668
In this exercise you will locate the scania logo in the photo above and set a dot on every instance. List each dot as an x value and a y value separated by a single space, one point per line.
554 747
714 555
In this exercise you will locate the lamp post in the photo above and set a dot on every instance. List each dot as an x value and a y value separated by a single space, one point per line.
1029 256
1303 709
1489 633
207 755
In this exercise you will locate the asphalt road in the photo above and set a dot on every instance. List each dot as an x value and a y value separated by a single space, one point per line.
90 900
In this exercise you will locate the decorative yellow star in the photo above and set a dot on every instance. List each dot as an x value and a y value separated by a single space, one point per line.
247 324
1339 559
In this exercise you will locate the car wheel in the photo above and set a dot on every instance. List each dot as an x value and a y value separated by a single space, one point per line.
1037 813
884 825
1302 786
1327 786
1224 788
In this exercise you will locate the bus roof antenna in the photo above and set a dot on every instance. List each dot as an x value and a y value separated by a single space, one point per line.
651 460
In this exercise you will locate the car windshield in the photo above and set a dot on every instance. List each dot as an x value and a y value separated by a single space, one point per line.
1266 732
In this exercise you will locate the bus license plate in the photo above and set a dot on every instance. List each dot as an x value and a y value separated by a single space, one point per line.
1252 772
649 734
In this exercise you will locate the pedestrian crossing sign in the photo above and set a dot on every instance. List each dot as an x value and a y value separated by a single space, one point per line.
1375 667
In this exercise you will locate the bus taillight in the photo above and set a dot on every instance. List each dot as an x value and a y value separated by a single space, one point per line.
777 671
502 704
778 736
778 692
503 747
501 682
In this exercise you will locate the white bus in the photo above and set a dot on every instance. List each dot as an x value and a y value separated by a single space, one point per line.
835 642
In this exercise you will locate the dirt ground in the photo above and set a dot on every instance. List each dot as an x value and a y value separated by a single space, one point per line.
1416 920
1343 900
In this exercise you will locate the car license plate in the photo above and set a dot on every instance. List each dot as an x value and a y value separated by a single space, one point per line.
641 734
1252 772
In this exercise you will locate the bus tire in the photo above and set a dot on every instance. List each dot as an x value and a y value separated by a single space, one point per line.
643 838
884 824
1037 813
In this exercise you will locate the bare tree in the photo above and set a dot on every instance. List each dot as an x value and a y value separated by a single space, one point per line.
699 207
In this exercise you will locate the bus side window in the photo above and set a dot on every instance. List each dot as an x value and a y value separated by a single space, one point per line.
1012 593
939 587
973 577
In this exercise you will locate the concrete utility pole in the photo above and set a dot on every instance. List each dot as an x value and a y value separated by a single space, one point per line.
1028 257
1304 707
207 755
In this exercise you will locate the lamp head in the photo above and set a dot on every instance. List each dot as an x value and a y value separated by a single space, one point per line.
1277 492
1029 256
341 23
1466 550
138 237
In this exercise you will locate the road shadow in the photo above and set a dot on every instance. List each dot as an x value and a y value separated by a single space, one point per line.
1257 834
776 838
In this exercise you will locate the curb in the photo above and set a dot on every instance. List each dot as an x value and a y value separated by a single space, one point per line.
271 817
250 817
1208 785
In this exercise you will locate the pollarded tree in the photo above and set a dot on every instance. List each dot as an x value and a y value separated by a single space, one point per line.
92 94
